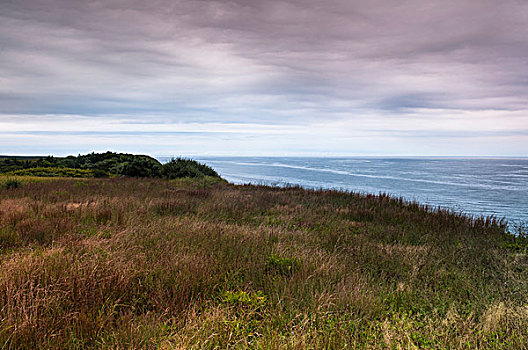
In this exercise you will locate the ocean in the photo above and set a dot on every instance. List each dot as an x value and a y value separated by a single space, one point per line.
475 186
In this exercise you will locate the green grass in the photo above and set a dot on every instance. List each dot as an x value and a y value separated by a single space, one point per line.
151 263
51 172
4 179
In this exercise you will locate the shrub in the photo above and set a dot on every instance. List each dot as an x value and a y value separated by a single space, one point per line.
140 167
100 173
178 168
11 183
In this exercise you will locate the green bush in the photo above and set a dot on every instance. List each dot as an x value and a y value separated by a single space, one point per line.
178 168
11 183
140 167
100 173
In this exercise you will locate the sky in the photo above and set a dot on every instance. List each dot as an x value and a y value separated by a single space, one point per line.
267 78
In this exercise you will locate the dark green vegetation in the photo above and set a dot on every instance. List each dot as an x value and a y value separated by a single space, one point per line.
103 165
178 168
9 183
151 263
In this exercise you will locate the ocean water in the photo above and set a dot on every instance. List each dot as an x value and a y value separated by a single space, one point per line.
475 186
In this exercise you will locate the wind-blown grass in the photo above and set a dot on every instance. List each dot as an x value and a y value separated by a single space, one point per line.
146 263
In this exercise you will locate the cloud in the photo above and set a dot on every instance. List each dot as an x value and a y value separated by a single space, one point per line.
353 67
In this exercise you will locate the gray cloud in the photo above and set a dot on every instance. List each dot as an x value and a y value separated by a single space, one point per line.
286 62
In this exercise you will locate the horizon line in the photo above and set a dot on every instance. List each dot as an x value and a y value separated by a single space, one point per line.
521 157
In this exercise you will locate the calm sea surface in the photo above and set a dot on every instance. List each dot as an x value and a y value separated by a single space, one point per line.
496 187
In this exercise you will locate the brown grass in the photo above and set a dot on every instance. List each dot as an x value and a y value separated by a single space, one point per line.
128 263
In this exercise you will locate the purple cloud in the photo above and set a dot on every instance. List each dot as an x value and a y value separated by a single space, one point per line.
434 67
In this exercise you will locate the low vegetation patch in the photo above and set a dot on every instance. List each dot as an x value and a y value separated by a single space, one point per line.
10 183
180 167
241 299
104 165
197 263
282 265
52 172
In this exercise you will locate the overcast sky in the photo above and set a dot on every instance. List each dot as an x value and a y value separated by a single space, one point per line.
253 77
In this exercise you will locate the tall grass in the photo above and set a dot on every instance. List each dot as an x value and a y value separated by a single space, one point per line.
149 263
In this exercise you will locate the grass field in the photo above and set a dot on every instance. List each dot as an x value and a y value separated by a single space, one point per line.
148 263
